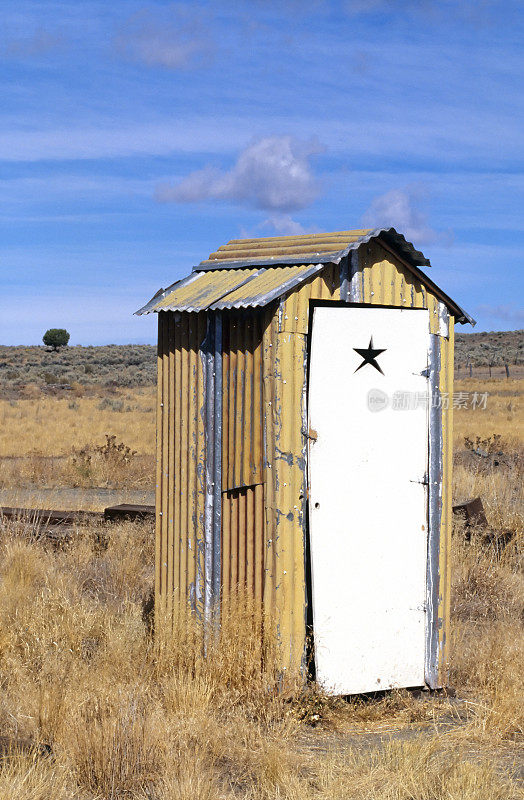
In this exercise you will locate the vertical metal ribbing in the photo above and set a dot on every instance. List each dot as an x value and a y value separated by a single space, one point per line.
434 514
355 285
217 463
344 280
159 552
208 358
166 547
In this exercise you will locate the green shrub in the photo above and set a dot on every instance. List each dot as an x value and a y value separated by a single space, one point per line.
56 338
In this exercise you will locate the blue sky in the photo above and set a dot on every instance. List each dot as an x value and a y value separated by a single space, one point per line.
136 138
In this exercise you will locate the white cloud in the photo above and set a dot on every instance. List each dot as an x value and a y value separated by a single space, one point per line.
284 225
273 173
276 225
403 209
175 38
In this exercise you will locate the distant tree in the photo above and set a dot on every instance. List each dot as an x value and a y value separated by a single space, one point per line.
55 338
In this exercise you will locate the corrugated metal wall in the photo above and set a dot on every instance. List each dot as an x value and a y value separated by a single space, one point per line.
243 542
285 362
180 489
264 445
243 526
242 444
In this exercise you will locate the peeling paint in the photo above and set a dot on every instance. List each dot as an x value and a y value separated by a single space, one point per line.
355 278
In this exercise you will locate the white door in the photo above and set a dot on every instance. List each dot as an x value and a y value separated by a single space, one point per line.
368 459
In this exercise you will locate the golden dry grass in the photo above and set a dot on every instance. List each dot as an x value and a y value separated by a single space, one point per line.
504 412
129 717
52 425
53 441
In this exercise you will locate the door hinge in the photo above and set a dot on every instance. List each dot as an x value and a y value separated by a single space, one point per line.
311 434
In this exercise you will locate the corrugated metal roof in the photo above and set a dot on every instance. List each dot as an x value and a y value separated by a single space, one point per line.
199 291
267 285
252 272
320 248
240 288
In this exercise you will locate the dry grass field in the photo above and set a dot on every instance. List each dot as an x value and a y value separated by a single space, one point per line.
61 439
100 710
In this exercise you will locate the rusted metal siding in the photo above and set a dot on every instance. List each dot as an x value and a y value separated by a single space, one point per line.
285 419
243 516
211 357
385 280
186 559
243 542
285 360
242 431
293 313
180 490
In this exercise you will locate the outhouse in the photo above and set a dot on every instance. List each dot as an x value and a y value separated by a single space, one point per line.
304 449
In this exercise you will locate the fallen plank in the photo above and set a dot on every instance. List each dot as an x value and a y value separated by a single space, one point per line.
53 518
50 517
128 511
472 512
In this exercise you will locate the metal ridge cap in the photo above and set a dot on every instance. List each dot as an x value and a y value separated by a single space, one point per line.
400 241
298 260
397 239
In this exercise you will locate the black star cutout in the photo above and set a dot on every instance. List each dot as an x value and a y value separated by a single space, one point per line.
369 355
